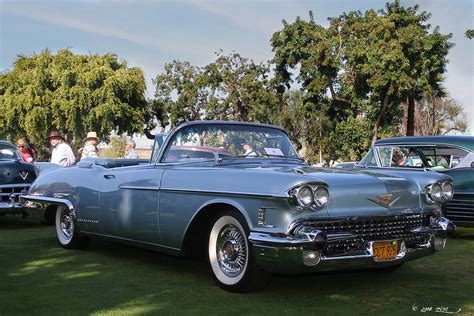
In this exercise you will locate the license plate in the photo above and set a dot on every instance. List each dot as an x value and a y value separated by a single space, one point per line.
385 250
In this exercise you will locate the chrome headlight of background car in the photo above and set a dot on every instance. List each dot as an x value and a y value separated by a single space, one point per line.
439 192
309 196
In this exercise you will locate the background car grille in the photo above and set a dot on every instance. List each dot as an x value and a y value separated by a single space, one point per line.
371 229
17 190
460 208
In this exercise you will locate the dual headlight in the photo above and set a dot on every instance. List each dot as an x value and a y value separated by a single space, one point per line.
439 192
309 196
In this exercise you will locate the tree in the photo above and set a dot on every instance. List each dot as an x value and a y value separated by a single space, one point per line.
230 88
72 94
469 34
352 139
180 94
116 147
438 116
366 63
239 90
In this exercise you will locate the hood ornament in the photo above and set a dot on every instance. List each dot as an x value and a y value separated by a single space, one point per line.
386 200
23 175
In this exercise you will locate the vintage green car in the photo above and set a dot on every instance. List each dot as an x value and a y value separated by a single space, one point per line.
450 155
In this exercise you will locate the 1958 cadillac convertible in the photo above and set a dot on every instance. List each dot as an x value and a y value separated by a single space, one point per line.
239 195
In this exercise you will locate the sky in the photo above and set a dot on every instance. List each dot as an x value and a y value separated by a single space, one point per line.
148 34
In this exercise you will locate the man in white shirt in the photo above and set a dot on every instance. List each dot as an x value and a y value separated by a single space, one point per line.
62 153
130 151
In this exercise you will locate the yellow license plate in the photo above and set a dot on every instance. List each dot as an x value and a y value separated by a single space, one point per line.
385 250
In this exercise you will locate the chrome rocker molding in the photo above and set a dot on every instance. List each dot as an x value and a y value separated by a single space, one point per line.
303 252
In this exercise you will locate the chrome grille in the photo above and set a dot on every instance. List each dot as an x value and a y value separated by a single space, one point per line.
16 190
368 229
460 208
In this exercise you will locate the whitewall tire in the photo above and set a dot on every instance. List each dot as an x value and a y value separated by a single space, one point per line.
231 257
66 230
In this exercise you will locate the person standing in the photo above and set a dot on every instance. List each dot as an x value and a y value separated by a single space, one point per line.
90 147
130 151
62 153
28 154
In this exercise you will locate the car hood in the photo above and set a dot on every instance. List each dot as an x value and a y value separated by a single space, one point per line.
352 191
361 191
13 171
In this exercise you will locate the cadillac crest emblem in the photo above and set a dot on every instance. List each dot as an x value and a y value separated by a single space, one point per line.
386 200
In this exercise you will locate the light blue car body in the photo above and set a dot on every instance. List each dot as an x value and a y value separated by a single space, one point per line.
165 206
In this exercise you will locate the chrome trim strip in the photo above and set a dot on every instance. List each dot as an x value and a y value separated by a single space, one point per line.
43 200
222 192
16 185
131 187
130 240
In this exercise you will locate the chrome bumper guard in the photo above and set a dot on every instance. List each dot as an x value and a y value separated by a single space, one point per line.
304 252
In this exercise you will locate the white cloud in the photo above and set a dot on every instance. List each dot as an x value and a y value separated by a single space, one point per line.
172 46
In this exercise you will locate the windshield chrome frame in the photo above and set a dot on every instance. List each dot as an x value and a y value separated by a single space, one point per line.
204 122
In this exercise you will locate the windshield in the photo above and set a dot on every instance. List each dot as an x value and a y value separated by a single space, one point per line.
198 142
8 152
433 157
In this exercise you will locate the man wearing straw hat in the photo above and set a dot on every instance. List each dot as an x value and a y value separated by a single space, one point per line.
90 148
62 153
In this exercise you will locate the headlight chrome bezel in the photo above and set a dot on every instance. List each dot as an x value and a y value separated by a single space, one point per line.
319 197
438 192
448 190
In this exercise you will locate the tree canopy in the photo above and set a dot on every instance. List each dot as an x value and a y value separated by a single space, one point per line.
364 65
230 88
72 94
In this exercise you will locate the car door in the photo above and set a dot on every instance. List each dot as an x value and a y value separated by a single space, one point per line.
129 203
460 166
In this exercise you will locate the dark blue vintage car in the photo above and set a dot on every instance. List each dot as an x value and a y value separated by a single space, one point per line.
239 196
450 155
16 176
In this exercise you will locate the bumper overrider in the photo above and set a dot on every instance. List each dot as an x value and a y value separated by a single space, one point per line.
311 246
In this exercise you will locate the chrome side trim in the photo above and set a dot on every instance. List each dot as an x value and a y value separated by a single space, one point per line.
37 201
16 185
211 192
139 242
131 187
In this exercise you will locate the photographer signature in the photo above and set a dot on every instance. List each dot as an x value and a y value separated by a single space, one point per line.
434 309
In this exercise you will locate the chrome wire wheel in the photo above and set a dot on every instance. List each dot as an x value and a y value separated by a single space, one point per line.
231 250
228 250
67 225
64 225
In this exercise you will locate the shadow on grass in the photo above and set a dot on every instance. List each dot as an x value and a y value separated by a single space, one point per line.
18 222
463 233
112 278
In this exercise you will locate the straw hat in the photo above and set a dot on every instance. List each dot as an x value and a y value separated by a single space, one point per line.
91 135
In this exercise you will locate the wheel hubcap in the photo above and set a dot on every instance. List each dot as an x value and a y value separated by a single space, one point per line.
231 250
67 225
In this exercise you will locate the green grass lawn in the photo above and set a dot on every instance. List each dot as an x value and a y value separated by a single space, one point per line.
38 277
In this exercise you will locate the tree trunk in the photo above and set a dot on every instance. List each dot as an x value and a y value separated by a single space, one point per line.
379 118
411 116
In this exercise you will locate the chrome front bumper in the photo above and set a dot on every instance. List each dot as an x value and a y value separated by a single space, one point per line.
303 253
9 198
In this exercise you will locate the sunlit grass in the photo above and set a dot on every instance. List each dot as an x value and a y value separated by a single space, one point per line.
38 277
